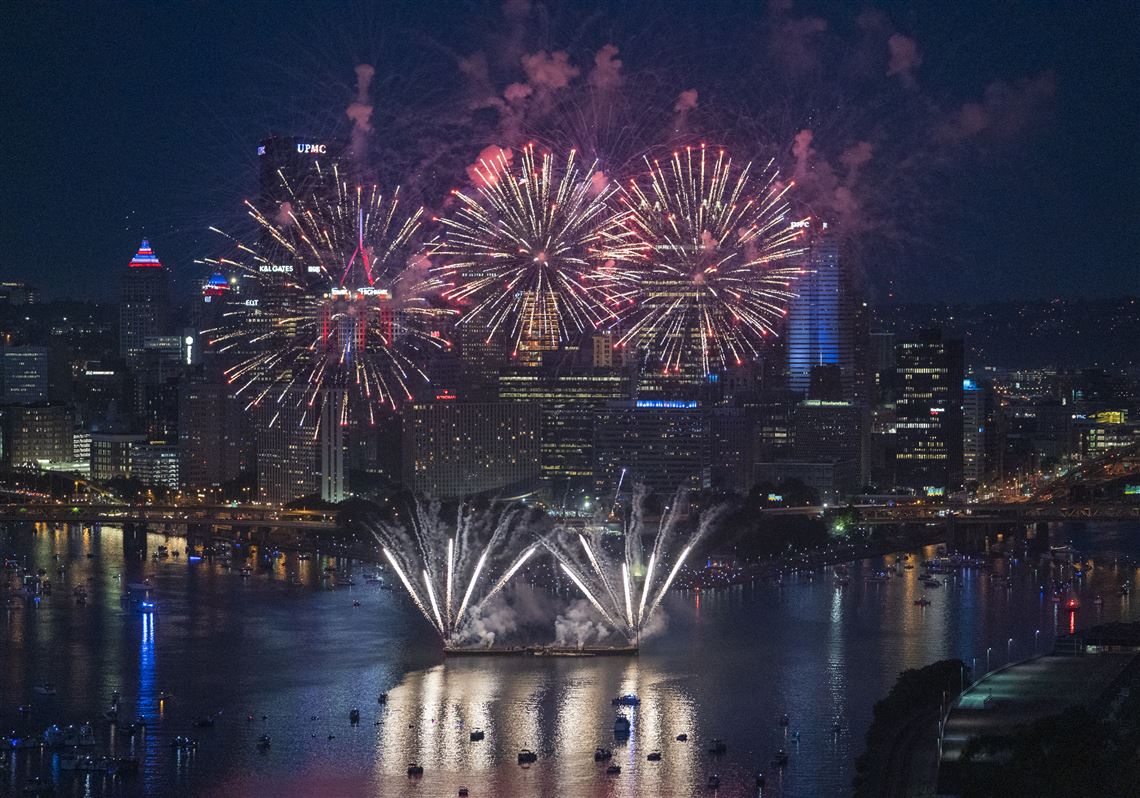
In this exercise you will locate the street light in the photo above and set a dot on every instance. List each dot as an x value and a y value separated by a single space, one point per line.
1035 636
988 650
1009 650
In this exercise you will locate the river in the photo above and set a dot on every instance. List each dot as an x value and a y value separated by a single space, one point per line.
289 658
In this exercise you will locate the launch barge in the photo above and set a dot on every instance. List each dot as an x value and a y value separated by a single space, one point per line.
540 651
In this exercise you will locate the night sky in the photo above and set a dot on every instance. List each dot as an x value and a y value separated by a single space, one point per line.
966 150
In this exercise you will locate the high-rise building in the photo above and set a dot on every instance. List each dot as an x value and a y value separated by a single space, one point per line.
454 449
111 454
210 434
288 449
23 375
819 321
568 402
334 480
661 443
143 303
973 432
35 434
540 328
928 414
14 293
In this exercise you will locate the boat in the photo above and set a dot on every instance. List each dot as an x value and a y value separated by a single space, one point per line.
621 726
53 736
82 734
463 792
415 769
382 698
602 754
842 581
527 756
355 603
122 765
931 583
879 576
37 786
717 747
760 781
785 720
112 714
654 756
204 722
183 743
246 572
47 688
713 782
1098 600
627 700
477 735
682 738
354 716
613 770
263 743
781 758
923 601
1073 604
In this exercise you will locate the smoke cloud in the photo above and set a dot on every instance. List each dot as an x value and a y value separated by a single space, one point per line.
360 112
606 73
905 58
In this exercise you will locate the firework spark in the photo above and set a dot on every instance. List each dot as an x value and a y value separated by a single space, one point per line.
520 250
705 242
623 589
462 565
336 305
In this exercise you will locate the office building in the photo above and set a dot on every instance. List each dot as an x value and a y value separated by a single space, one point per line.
111 454
210 434
23 375
819 322
36 434
16 293
663 444
155 465
568 401
288 449
928 414
973 432
454 449
334 479
143 303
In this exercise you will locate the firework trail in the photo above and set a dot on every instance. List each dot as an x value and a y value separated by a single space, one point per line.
450 570
519 252
624 588
339 313
703 241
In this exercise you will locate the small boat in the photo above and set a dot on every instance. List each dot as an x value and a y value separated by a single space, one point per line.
602 754
355 603
713 782
24 709
476 735
204 722
463 792
82 734
1073 604
781 758
842 581
1098 600
654 756
621 726
682 738
627 700
415 770
526 756
760 781
37 786
183 743
263 743
382 698
122 765
354 716
53 736
47 688
112 714
922 602
613 770
717 747
785 720
931 583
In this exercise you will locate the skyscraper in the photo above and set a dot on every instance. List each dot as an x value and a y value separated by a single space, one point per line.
819 322
973 432
928 414
23 374
143 303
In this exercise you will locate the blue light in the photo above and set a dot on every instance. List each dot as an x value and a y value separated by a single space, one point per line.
969 385
193 558
667 404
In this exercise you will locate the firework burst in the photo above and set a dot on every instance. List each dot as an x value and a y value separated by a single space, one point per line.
520 250
451 570
707 244
624 587
338 311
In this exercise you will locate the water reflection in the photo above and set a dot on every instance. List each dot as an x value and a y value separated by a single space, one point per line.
286 645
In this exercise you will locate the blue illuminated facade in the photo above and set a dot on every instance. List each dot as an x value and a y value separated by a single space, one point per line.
819 318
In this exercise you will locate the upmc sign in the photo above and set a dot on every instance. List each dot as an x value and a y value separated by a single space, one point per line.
312 149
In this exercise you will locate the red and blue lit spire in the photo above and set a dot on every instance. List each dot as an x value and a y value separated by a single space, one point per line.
145 258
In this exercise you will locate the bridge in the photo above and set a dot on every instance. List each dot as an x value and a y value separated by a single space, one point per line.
196 516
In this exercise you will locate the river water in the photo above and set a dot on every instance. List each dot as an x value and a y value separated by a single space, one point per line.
289 658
